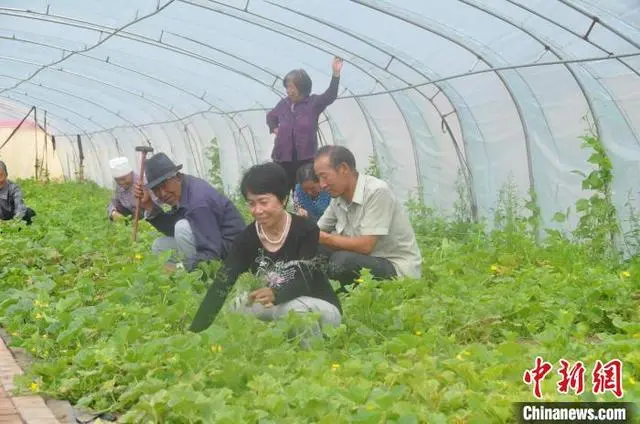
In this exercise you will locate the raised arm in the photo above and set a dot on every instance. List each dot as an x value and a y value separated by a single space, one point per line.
323 100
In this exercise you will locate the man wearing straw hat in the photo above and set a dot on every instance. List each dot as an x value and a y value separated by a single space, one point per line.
202 222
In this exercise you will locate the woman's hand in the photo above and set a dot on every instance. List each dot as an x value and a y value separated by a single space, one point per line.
336 66
264 295
303 213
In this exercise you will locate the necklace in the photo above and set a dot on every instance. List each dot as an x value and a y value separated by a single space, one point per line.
285 230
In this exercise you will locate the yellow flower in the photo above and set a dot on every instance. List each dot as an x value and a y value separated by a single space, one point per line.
138 256
494 268
216 348
418 333
335 366
34 387
460 356
44 336
38 315
625 274
632 381
359 280
15 333
37 303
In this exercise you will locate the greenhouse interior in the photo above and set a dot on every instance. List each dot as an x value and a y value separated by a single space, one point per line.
505 135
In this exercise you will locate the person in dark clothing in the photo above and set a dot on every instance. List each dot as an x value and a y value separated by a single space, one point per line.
281 250
202 222
294 120
12 204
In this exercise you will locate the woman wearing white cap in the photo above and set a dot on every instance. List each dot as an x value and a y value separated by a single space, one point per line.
124 200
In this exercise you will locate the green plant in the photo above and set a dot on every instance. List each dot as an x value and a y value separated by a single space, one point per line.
373 168
215 167
598 225
108 328
462 207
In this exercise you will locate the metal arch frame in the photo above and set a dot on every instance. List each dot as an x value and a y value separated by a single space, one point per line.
393 90
276 77
64 21
105 130
11 112
547 47
604 24
502 78
461 157
61 20
572 71
165 46
479 57
463 162
119 88
139 38
66 93
102 82
80 129
84 25
101 41
376 79
570 31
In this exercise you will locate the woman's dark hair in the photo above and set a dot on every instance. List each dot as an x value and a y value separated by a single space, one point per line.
266 178
300 79
306 173
3 166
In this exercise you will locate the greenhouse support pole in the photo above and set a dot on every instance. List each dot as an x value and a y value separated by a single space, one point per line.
35 133
45 159
81 156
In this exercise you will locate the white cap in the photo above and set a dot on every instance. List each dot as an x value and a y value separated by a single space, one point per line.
120 167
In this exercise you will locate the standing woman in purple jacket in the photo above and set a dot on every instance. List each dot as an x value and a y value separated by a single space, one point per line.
294 120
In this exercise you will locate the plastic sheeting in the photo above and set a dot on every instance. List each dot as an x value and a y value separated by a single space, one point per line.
477 92
29 151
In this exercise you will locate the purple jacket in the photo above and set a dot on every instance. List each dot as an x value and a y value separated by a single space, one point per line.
298 124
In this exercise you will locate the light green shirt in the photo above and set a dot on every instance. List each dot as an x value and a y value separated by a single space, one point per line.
375 211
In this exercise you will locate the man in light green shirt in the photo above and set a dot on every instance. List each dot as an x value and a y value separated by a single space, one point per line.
365 225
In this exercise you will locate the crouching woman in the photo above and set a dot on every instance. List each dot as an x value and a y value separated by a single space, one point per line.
280 249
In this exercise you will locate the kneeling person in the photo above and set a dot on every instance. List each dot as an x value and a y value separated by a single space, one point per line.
279 248
364 225
123 202
202 222
11 200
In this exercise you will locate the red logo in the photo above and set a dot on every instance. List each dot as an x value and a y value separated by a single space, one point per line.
605 377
